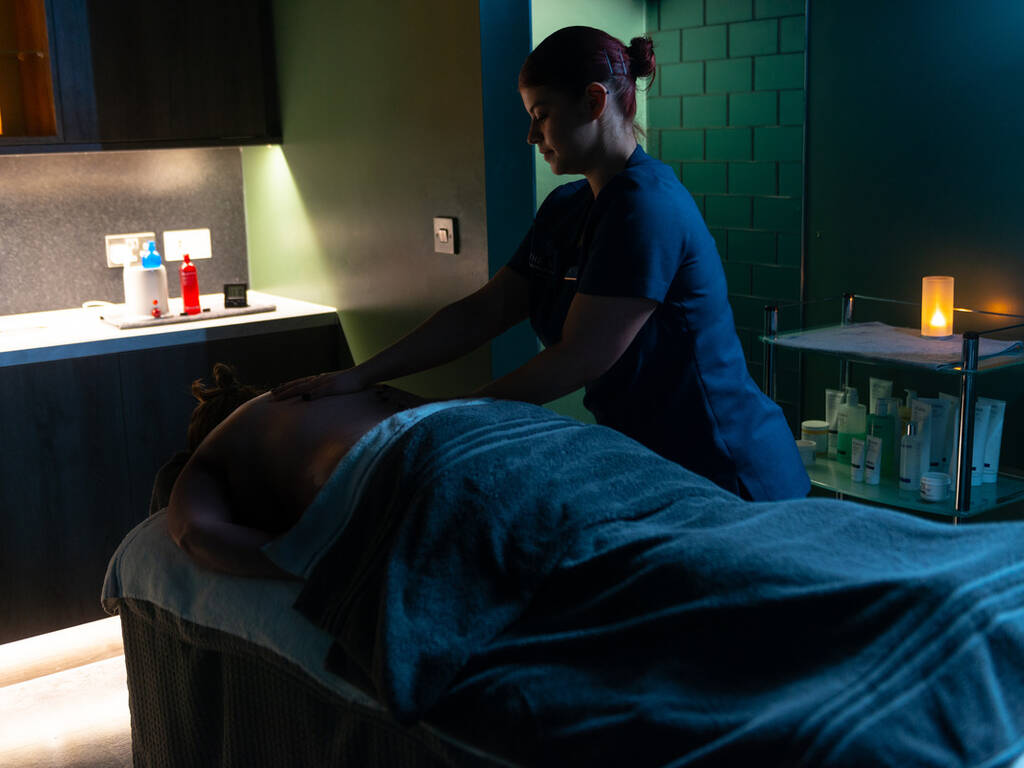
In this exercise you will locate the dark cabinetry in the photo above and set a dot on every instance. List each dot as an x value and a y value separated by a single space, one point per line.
83 439
160 73
62 492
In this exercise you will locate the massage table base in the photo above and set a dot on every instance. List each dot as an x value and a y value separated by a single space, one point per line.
199 696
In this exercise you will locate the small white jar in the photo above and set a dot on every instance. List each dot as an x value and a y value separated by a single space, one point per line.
935 486
807 449
816 430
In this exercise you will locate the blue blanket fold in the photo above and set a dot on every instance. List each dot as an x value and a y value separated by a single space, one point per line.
557 592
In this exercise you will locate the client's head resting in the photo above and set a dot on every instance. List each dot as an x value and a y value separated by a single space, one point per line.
217 402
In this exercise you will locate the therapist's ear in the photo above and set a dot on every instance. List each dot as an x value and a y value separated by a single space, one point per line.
597 100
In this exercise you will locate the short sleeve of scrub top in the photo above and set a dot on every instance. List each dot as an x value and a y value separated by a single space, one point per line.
636 244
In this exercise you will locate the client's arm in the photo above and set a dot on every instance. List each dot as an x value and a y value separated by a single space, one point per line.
199 519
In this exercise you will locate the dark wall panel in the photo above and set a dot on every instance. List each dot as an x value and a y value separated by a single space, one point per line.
915 156
915 166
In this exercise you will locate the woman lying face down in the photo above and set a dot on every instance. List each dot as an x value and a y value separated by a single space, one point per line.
250 479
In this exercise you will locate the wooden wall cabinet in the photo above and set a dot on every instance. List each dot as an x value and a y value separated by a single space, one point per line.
160 73
83 440
27 109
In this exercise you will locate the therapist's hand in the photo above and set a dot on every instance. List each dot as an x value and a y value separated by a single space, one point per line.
322 385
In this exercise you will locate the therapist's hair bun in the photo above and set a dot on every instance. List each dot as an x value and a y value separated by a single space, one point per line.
641 57
216 401
573 57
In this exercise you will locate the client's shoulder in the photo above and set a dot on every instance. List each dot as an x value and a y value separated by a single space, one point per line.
240 429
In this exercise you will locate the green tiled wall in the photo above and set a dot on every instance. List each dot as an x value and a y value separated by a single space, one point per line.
727 112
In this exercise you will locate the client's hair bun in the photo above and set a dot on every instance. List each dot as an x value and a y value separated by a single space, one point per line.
224 375
225 381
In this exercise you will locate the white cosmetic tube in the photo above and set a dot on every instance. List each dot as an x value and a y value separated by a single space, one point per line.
994 437
833 399
921 414
938 457
877 388
981 418
857 460
952 431
872 460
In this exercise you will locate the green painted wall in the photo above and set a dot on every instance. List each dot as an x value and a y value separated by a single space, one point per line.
624 19
727 113
382 131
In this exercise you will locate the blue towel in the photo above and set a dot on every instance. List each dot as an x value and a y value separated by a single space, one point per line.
558 593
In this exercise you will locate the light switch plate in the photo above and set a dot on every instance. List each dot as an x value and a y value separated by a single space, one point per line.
194 242
446 235
126 249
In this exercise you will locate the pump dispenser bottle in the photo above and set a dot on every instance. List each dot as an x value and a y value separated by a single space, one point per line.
145 285
910 459
852 423
904 415
883 425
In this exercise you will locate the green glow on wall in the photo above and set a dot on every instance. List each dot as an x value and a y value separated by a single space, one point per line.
272 197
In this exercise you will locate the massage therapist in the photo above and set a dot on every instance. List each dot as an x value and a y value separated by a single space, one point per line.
621 281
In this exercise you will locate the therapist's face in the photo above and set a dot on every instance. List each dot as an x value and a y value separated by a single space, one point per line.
563 128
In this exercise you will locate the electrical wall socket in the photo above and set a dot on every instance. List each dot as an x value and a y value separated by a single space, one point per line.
126 249
194 242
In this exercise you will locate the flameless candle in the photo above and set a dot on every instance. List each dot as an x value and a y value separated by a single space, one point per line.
937 307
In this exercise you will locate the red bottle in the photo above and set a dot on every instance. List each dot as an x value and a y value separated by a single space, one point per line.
189 286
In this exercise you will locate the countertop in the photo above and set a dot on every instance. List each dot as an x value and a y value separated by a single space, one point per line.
61 334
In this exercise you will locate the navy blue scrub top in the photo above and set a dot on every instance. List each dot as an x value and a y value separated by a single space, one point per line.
681 387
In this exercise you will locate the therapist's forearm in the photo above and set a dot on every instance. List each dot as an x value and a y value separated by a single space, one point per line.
551 374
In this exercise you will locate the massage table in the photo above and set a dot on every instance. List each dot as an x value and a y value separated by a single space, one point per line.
488 583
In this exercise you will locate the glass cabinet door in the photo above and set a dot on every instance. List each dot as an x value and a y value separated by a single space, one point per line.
26 82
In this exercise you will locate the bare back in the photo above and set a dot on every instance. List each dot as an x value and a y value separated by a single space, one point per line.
275 455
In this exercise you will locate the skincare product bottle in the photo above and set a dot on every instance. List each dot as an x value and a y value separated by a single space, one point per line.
982 419
939 411
877 388
994 438
833 399
857 460
910 459
922 417
852 423
903 416
189 286
873 447
952 431
982 411
882 424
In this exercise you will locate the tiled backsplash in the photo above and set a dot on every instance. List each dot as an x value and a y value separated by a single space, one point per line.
727 111
56 208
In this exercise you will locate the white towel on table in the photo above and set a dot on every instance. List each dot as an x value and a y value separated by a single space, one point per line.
881 341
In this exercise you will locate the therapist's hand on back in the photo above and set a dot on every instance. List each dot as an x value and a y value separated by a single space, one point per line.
322 385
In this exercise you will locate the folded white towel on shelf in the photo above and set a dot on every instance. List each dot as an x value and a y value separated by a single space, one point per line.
880 341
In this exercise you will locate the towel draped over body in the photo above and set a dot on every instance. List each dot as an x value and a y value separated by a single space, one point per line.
559 593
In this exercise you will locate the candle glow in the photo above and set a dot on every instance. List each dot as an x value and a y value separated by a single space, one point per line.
937 307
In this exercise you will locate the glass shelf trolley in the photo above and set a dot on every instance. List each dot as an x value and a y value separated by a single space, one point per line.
830 475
